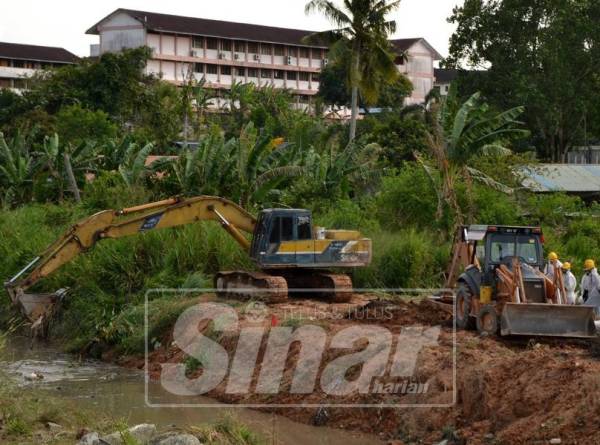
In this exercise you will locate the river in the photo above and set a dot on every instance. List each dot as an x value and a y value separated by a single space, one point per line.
106 388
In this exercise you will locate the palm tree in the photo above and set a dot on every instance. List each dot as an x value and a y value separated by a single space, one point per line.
360 43
462 132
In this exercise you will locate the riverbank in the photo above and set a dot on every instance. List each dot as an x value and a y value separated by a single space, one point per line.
504 391
40 384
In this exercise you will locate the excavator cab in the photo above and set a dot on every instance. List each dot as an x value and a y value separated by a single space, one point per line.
288 237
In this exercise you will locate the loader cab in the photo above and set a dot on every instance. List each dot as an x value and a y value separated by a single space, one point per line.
283 237
502 244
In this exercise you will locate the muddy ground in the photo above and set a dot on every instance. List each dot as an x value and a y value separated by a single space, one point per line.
508 391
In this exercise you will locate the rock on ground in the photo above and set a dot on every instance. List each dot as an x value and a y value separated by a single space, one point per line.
175 439
142 434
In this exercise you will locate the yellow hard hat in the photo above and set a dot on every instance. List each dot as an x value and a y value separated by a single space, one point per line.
589 265
566 265
552 256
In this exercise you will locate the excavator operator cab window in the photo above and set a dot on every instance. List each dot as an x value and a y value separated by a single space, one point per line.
304 228
287 228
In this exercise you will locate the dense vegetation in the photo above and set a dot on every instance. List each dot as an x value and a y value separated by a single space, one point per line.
78 143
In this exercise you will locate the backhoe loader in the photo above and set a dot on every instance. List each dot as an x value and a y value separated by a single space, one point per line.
289 251
499 288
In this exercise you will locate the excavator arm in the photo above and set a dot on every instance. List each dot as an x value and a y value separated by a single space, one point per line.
110 224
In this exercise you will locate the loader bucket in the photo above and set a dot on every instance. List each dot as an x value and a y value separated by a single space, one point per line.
549 320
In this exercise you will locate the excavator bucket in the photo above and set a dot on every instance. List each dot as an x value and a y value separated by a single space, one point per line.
37 308
548 320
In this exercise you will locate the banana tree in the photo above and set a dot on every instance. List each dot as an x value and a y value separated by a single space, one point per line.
133 168
65 164
17 170
462 132
262 164
335 171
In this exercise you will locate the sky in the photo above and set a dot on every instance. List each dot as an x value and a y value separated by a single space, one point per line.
63 22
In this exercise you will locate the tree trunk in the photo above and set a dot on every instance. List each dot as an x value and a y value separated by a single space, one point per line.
354 101
354 115
71 178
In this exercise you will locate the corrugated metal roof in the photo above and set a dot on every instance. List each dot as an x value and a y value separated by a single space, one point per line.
568 178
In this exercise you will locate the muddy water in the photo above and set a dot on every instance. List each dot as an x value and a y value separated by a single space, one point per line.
120 392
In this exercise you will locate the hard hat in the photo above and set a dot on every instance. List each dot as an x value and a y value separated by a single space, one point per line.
552 256
566 265
589 265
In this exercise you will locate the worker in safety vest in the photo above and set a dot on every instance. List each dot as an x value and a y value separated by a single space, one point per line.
570 282
590 286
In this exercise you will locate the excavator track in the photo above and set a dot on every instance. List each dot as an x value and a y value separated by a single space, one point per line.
335 288
251 286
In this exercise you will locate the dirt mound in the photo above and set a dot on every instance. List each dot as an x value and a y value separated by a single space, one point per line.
507 391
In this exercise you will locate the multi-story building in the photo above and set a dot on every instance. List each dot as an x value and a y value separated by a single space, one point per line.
224 53
416 61
19 62
443 79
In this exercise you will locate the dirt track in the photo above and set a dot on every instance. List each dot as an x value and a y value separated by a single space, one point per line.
521 391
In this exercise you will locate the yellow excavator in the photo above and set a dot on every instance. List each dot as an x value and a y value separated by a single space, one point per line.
289 250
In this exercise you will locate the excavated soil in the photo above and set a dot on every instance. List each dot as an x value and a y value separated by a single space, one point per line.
508 391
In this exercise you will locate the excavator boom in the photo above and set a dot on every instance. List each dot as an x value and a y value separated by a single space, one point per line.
110 224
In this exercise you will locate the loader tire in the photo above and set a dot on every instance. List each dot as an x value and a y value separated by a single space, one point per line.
463 308
488 321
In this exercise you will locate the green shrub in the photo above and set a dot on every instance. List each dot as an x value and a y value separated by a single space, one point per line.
494 207
408 198
109 191
348 215
77 125
553 208
405 259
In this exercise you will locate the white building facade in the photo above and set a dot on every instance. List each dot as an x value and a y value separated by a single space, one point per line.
19 62
223 53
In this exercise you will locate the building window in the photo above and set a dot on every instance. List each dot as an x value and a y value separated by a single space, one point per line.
293 51
279 50
315 54
304 52
18 64
303 99
265 49
4 62
212 69
315 78
304 76
226 70
226 45
212 43
198 42
20 84
266 74
5 83
198 67
252 72
253 48
241 72
292 75
240 46
279 74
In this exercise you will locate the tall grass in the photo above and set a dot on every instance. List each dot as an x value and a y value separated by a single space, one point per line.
116 273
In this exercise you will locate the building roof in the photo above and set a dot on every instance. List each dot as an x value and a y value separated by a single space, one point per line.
212 28
19 51
443 75
570 178
403 45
